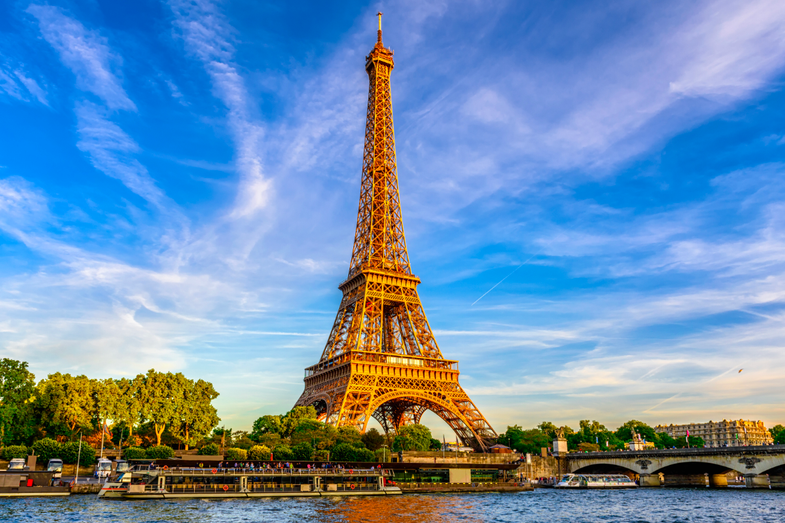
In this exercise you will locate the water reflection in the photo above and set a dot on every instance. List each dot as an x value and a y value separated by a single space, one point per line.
656 505
404 509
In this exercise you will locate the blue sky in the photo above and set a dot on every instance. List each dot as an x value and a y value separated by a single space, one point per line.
179 184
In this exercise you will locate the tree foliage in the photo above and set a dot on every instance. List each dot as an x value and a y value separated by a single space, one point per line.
160 452
47 449
71 452
235 454
211 449
17 385
344 452
302 451
134 453
282 452
413 437
372 439
259 453
15 451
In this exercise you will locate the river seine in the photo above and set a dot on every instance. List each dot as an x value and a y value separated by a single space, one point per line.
542 506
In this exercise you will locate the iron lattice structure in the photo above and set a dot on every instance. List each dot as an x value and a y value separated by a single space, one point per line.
381 359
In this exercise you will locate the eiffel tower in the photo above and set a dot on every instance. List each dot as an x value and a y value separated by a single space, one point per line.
381 359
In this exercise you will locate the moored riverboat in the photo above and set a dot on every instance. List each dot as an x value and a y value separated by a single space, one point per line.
27 483
164 482
595 481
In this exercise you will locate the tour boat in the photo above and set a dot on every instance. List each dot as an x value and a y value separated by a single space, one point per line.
151 481
579 481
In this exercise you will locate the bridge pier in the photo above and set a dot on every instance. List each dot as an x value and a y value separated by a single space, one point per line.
756 480
650 480
685 480
777 481
718 480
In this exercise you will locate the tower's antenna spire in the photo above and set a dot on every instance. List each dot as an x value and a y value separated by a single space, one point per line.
379 33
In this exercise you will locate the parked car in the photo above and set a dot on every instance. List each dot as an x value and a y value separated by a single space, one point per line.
17 464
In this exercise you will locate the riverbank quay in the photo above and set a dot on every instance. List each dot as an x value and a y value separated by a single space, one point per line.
422 488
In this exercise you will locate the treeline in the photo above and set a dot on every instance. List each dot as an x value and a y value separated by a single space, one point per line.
150 409
593 436
298 435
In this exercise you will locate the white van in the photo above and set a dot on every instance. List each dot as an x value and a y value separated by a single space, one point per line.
55 465
103 468
17 464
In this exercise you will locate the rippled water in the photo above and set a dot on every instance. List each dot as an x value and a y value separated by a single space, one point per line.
542 505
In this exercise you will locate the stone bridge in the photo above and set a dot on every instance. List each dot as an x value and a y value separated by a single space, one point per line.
760 466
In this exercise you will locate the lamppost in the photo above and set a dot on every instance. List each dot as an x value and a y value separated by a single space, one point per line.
384 453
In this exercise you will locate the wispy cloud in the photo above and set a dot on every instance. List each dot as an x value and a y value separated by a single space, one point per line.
86 53
112 151
207 36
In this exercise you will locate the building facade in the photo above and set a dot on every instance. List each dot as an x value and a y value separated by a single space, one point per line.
725 433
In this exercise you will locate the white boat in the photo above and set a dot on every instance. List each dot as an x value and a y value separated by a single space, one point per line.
579 481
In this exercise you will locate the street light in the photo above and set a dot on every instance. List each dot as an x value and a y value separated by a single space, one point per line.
384 453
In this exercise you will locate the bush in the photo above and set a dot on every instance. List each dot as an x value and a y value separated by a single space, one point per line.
47 449
344 452
321 455
383 455
282 452
14 451
211 449
159 452
71 451
236 454
365 455
259 453
303 451
134 453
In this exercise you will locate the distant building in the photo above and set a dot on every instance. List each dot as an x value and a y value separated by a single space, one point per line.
641 445
733 433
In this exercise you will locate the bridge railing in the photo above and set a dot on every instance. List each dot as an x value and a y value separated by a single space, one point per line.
759 449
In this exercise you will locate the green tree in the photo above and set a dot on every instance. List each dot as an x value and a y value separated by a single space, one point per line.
344 452
419 436
235 454
319 435
267 424
159 452
373 439
196 415
530 441
106 395
302 451
65 404
366 456
259 453
162 396
47 449
776 430
780 439
350 435
211 449
292 418
128 407
15 451
624 433
71 452
17 385
282 452
134 453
